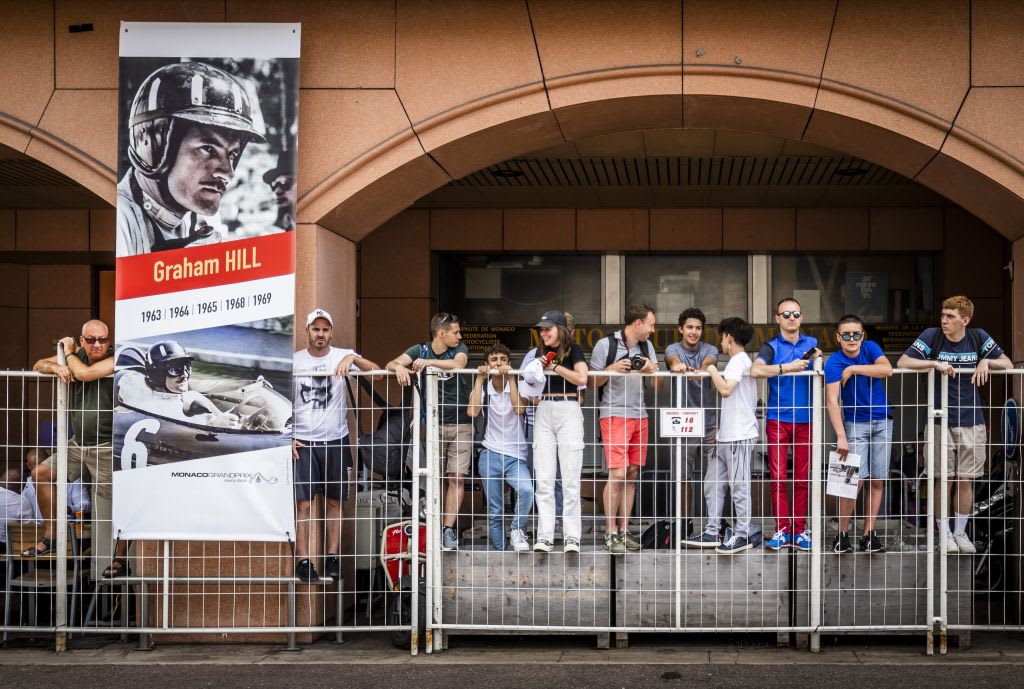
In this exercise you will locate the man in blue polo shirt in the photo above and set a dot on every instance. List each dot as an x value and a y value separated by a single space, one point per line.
788 424
863 426
948 348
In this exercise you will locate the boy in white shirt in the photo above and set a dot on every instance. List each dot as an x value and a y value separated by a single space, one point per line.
737 433
503 451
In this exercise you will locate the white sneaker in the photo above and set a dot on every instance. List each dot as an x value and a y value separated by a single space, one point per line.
572 545
543 546
519 541
951 545
964 544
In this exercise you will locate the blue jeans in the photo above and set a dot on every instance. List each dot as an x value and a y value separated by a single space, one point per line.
494 469
558 471
872 441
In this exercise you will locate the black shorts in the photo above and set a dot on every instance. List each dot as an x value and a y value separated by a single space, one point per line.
322 467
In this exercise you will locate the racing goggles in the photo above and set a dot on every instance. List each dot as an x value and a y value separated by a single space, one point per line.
176 370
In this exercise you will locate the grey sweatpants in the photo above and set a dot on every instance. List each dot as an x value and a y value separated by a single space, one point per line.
729 467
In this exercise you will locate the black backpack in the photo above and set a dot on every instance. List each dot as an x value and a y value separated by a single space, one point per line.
383 452
973 338
658 536
613 349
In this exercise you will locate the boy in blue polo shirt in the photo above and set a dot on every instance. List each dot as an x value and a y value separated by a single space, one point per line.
863 425
788 424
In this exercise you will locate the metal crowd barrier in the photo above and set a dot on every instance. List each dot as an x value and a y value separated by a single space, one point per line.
189 588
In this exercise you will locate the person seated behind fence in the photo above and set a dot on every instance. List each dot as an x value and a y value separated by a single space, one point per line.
730 465
503 455
624 418
445 351
14 506
163 389
863 423
89 370
954 345
558 435
78 492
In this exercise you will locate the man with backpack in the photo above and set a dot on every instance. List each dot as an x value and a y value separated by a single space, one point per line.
446 352
947 349
320 440
495 398
624 418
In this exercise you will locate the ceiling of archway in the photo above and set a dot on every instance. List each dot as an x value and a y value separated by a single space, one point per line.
683 167
27 183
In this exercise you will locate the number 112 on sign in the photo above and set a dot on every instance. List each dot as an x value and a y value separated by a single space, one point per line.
682 423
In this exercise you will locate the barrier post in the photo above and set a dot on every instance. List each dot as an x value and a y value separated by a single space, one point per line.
817 524
434 478
929 449
61 509
414 561
943 509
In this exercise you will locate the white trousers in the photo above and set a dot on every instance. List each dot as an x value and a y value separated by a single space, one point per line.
558 442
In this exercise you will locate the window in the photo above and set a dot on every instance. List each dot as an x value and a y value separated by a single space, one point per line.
717 285
516 290
879 288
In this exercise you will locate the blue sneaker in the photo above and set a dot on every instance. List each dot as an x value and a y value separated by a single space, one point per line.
779 541
803 541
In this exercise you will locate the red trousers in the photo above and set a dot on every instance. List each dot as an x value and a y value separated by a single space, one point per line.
781 437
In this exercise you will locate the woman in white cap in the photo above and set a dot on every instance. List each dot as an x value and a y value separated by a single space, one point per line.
558 432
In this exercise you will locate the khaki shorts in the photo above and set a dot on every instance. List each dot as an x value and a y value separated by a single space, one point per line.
966 450
98 460
457 448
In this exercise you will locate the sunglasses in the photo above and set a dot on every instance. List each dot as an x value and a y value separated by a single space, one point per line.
178 370
445 317
789 314
282 184
847 337
96 340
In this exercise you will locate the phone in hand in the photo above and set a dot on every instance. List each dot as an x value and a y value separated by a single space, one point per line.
549 357
809 354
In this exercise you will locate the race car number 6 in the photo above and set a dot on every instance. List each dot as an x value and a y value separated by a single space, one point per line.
134 454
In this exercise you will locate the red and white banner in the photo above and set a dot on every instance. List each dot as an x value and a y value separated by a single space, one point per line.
207 137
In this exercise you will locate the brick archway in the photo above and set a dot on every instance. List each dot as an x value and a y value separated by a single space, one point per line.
975 172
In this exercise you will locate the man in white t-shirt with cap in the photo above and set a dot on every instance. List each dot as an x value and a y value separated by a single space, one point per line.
320 445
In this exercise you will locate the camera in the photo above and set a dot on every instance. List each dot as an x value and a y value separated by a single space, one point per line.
637 362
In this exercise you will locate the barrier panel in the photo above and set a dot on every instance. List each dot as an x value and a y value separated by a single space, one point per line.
402 440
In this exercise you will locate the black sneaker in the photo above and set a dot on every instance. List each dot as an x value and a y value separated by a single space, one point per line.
305 571
871 543
842 543
332 567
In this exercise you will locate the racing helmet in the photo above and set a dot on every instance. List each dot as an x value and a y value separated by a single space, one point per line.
190 91
162 357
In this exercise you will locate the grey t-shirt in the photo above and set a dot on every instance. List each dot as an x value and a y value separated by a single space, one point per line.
697 392
623 395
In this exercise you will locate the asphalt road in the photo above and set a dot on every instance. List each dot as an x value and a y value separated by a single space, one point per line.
533 676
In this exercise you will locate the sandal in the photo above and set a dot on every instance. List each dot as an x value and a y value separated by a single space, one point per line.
118 568
34 551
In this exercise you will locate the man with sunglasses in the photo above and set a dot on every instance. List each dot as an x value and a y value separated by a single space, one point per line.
859 412
88 369
788 422
446 352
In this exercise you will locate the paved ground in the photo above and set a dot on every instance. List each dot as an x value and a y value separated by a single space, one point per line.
995 660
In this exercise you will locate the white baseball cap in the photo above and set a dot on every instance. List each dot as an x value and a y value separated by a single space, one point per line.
318 313
531 383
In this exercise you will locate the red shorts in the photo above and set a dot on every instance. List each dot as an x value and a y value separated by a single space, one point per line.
625 441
